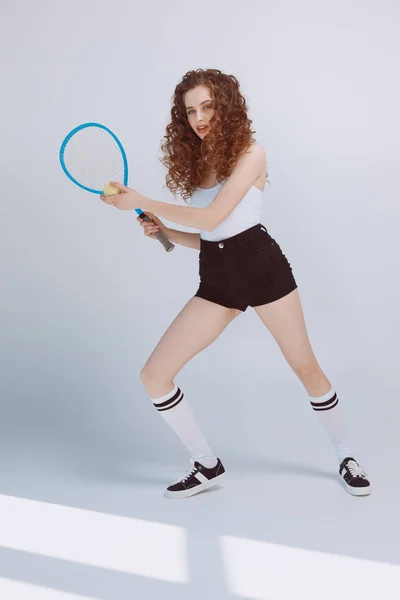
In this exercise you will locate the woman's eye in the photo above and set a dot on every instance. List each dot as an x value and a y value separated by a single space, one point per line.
190 111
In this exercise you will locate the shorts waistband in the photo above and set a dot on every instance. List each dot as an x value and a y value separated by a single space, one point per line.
232 241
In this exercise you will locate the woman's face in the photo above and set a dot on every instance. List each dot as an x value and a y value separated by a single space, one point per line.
199 109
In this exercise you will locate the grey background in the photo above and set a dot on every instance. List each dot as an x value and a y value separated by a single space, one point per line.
85 296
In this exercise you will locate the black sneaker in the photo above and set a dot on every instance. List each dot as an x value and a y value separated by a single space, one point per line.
354 477
197 479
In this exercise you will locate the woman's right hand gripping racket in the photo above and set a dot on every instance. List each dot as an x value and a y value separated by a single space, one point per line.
153 226
91 156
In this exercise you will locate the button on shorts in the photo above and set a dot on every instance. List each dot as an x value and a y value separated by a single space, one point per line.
248 269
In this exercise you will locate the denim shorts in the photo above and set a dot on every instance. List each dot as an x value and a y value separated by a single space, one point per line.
248 269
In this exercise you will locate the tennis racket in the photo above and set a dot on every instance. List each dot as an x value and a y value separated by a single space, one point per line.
91 156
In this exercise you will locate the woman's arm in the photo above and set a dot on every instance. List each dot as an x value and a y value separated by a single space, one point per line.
245 173
183 238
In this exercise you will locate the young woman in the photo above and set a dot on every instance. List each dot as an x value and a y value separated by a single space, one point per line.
213 160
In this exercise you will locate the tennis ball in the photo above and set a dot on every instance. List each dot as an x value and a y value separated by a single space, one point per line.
110 190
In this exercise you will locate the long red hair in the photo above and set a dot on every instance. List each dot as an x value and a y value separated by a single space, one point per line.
186 156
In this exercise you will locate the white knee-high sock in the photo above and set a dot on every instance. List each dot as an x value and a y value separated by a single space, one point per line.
329 412
176 411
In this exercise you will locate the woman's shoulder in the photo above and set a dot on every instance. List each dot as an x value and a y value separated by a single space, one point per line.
257 149
255 154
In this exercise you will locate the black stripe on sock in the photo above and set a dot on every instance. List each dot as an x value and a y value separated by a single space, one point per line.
171 402
328 405
166 402
173 405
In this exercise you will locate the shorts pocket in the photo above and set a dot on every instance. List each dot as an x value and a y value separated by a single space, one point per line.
260 240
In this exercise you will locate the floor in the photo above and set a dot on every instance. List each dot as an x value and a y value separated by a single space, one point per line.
276 530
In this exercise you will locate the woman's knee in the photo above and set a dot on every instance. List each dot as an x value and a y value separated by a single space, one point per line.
156 385
148 374
153 376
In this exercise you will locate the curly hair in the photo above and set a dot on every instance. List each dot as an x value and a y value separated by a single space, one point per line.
186 156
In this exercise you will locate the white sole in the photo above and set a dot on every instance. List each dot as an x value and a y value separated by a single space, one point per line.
355 491
194 490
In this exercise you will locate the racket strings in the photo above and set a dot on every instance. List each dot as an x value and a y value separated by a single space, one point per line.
93 158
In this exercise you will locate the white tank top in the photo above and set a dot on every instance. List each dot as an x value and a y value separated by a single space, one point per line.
245 215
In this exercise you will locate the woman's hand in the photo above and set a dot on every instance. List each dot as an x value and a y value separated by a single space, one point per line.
150 229
128 199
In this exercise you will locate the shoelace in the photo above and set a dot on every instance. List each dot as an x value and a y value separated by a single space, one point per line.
189 474
355 469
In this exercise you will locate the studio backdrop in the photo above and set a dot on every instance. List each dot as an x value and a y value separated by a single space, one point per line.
85 296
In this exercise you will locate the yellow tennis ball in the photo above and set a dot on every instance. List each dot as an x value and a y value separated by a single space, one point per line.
110 190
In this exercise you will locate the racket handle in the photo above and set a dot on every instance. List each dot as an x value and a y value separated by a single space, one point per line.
160 235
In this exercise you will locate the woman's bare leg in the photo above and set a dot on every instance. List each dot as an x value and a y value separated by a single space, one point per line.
285 320
199 323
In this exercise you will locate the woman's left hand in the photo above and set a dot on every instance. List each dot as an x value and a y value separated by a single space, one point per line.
128 199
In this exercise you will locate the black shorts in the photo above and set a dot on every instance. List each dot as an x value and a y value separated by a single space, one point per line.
248 269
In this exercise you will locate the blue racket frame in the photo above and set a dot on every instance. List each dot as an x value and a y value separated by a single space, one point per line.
120 146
